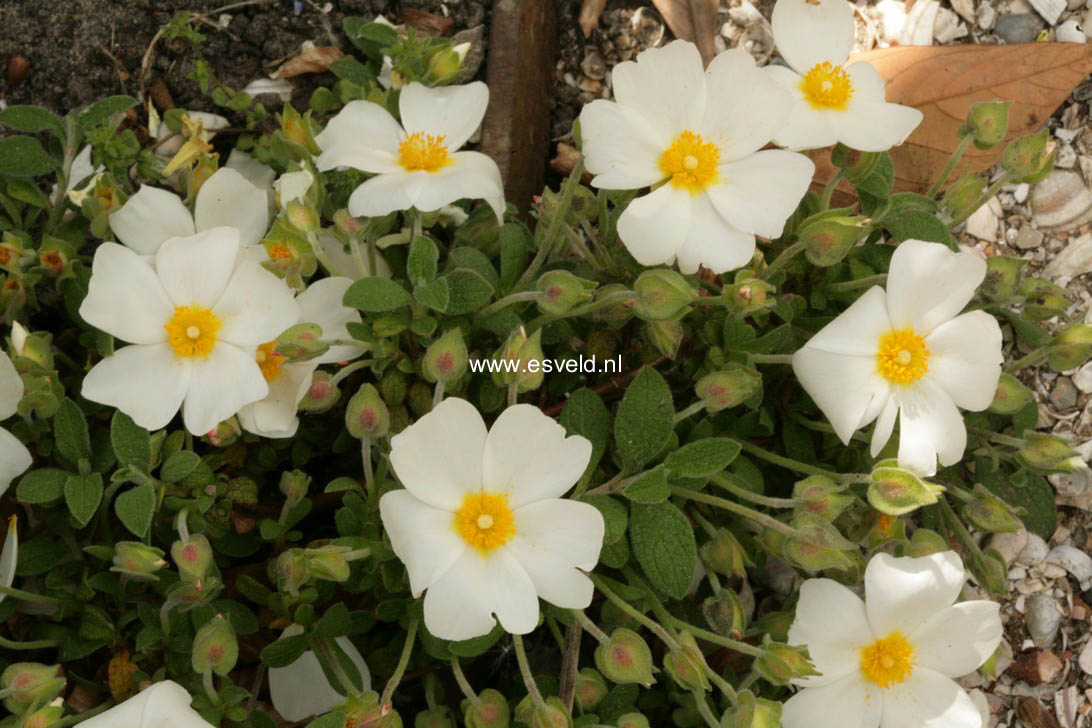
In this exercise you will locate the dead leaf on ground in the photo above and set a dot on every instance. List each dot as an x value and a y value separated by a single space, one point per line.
590 10
693 20
312 59
945 81
428 23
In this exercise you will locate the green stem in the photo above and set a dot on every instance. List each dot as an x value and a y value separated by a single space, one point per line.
438 393
462 682
741 510
789 463
590 626
604 302
347 370
691 410
771 358
762 500
508 300
403 661
657 606
1030 359
579 244
32 645
81 717
322 644
997 437
953 160
546 245
210 688
828 189
743 647
625 606
27 596
782 260
982 199
867 282
320 254
525 672
703 709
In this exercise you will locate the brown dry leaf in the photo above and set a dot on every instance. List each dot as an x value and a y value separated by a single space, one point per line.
945 81
693 20
590 10
428 23
312 59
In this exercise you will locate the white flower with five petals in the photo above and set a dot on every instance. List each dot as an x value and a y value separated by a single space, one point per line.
832 102
14 456
908 352
163 704
890 660
699 133
481 524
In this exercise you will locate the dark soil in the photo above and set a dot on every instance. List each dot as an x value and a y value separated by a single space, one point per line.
83 50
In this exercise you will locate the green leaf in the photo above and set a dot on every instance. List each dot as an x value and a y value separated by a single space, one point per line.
101 111
353 70
82 494
32 119
132 443
70 432
41 486
330 720
469 291
335 622
473 259
285 651
586 415
663 543
515 246
28 192
648 487
615 518
703 457
435 294
1022 489
135 507
178 466
39 555
422 261
23 156
374 295
917 225
645 419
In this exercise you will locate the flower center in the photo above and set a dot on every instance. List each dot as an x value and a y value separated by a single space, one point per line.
420 151
888 661
691 162
269 361
827 86
902 357
485 521
192 331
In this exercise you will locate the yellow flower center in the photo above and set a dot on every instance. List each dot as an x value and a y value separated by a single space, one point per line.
269 361
420 151
888 661
691 162
192 331
485 521
827 87
902 357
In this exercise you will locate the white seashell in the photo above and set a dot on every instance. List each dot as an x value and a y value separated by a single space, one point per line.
1061 201
1070 32
919 23
1043 619
1051 10
1075 561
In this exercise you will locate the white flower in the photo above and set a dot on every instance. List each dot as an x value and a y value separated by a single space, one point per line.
301 690
226 199
345 263
14 456
80 170
275 415
908 352
416 163
9 556
699 132
258 174
481 524
195 321
890 660
164 704
293 186
833 102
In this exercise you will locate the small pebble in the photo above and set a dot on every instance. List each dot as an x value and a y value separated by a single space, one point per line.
1043 619
1035 551
1028 238
18 67
1019 28
1064 394
1084 660
1009 545
1070 32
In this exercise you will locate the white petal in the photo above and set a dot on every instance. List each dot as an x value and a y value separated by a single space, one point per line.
293 187
439 457
928 700
858 329
885 425
14 460
965 359
11 387
712 241
423 537
758 193
556 542
471 176
275 415
655 226
195 270
125 297
453 112
301 690
868 84
363 135
902 593
387 193
744 108
928 284
874 126
620 147
664 85
9 555
956 640
846 388
460 604
321 304
345 264
805 127
220 385
930 427
228 199
807 32
849 703
145 381
830 621
165 704
259 175
256 306
150 218
81 168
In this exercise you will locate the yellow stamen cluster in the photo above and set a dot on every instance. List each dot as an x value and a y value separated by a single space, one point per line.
192 330
485 521
888 661
902 357
691 162
420 151
827 87
269 361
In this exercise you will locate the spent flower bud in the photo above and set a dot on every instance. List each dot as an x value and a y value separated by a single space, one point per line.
625 658
321 395
1030 158
299 343
724 554
990 513
962 196
618 313
491 711
366 415
30 683
433 719
732 385
137 560
1002 276
1050 454
749 294
328 562
290 570
215 647
662 295
666 336
896 491
828 239
1071 348
562 291
987 123
294 485
822 496
193 557
589 690
924 542
752 712
725 613
1011 396
779 663
686 664
526 352
445 360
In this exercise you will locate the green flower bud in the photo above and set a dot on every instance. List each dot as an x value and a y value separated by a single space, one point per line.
188 595
725 613
779 663
30 683
1050 454
1002 276
446 358
393 387
724 554
54 255
303 217
813 557
433 719
857 164
299 343
31 351
625 658
525 356
590 689
364 711
553 715
752 712
1011 396
961 198
924 542
828 239
881 529
43 717
686 664
193 557
822 496
297 129
290 570
987 123
617 314
328 562
137 560
294 485
562 291
1030 158
749 294
321 395
241 490
420 398
225 433
732 385
215 647
990 513
895 491
491 711
444 64
1071 348
633 720
666 336
662 295
11 252
367 415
